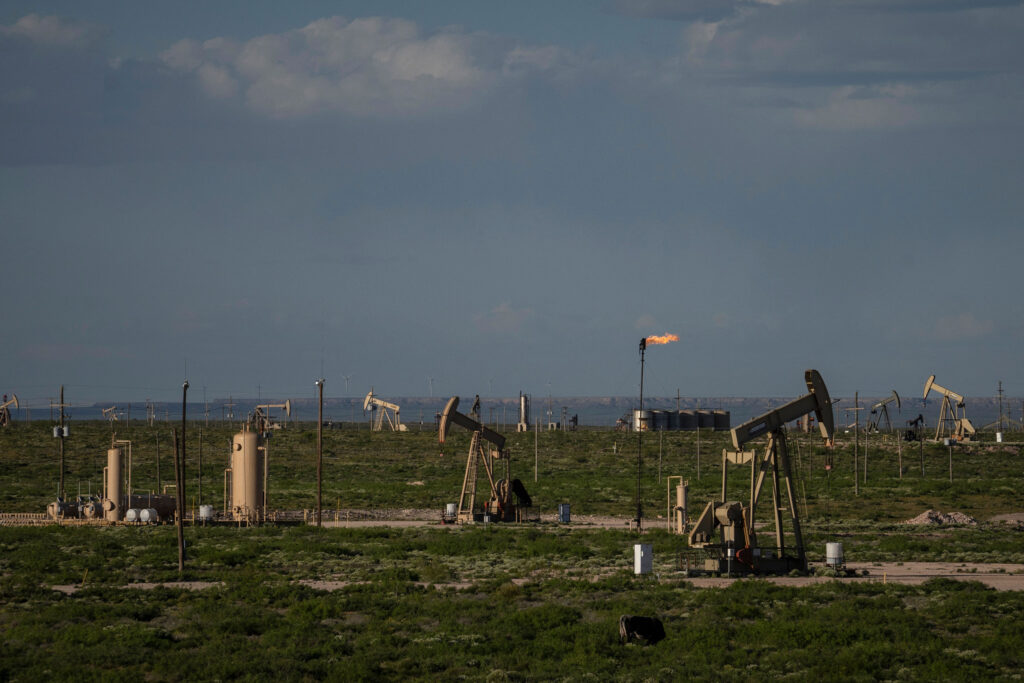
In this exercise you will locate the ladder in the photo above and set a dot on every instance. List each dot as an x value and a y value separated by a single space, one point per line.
469 480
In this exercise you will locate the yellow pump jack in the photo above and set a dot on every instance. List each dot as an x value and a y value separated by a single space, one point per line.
736 548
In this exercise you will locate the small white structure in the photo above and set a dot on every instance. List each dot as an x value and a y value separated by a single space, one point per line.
834 556
643 558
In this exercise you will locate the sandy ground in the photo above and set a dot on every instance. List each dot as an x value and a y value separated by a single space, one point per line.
430 518
997 576
68 589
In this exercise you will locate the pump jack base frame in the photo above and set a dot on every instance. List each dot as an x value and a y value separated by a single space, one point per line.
720 560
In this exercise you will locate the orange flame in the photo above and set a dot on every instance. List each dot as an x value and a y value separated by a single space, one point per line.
662 338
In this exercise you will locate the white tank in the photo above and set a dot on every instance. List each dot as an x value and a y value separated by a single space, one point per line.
131 515
205 513
834 555
149 516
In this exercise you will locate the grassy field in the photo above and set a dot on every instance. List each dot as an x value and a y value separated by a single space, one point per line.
593 470
530 602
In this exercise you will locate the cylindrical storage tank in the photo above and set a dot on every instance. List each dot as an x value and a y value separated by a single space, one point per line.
205 513
131 515
641 420
563 513
721 418
112 506
834 555
682 494
672 423
451 509
659 420
705 419
149 516
687 420
246 477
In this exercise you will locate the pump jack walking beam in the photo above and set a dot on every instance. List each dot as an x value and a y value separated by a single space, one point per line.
738 523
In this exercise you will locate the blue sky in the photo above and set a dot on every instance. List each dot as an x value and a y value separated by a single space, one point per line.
507 196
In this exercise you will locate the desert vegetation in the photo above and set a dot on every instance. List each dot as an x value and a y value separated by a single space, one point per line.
495 602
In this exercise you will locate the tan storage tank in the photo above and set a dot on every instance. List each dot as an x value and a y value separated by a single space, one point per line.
246 477
112 493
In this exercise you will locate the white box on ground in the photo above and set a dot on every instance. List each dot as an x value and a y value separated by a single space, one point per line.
642 558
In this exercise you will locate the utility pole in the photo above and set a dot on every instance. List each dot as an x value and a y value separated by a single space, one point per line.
60 435
319 452
158 487
1000 406
179 476
536 449
184 395
179 521
856 442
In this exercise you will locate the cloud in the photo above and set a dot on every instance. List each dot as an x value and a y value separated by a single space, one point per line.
682 10
962 326
56 352
503 319
861 65
363 67
645 322
53 31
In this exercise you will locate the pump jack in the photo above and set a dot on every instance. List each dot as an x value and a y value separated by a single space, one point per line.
738 548
261 421
880 410
500 506
373 403
5 413
952 420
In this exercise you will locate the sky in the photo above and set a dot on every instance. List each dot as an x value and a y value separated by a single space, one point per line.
492 197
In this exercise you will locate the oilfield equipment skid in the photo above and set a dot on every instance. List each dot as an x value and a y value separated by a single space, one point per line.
953 422
5 412
726 530
500 507
881 410
384 411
